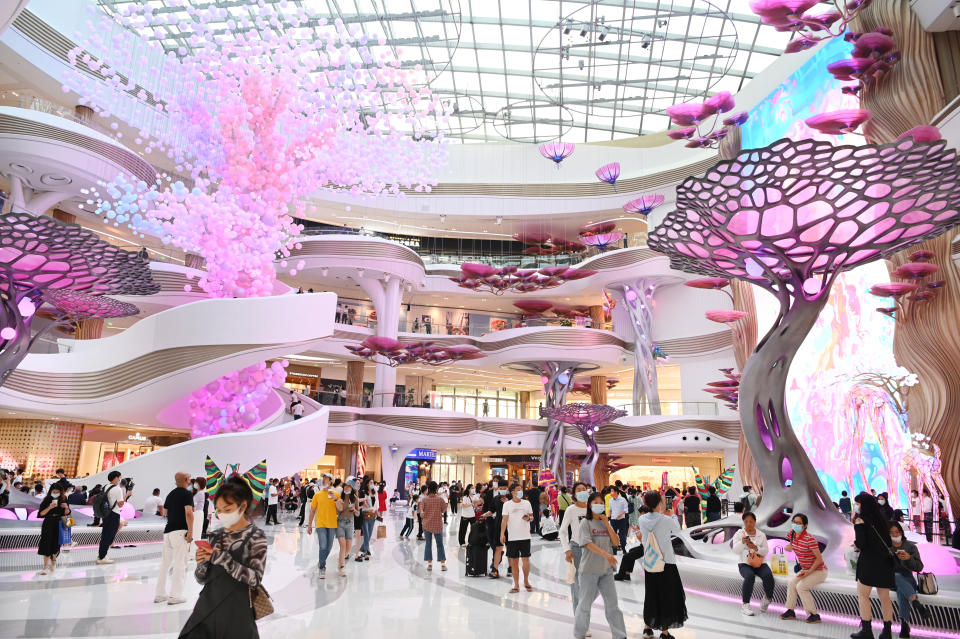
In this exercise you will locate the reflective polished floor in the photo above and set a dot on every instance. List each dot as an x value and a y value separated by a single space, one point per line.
390 596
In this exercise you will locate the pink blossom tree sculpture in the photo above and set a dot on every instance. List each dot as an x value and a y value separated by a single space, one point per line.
790 217
811 26
587 418
40 255
700 120
918 286
394 352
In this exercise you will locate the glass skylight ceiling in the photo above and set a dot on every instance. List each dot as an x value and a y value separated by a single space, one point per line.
540 70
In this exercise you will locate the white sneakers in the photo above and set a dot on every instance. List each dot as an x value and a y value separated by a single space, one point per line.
746 610
101 562
173 601
764 604
160 599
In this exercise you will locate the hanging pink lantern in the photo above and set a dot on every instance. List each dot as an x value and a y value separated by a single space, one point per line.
644 204
557 151
838 122
609 173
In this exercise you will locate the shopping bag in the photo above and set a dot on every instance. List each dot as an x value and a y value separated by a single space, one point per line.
779 564
570 575
852 556
66 534
381 532
928 583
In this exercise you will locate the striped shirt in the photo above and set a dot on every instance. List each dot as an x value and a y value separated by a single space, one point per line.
803 546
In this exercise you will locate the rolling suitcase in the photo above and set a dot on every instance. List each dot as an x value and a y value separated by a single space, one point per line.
477 552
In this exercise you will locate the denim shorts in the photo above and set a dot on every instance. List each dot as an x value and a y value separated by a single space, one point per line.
345 528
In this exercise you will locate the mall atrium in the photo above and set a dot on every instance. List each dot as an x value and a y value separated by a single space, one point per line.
283 280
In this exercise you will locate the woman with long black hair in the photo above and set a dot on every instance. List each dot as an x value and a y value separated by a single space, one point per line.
53 509
875 565
229 569
664 600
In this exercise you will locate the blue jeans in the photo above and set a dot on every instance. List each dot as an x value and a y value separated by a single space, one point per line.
905 590
713 516
368 525
325 537
427 551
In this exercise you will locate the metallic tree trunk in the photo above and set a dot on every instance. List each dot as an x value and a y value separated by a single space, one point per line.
766 426
12 351
589 464
559 381
637 300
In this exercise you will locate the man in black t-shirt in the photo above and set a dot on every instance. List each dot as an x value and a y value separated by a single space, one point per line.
177 537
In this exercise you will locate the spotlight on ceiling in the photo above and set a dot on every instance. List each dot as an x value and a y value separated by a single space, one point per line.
443 218
604 32
645 45
580 64
499 219
661 23
567 27
583 31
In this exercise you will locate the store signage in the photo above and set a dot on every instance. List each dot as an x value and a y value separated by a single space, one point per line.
495 460
138 439
660 460
428 454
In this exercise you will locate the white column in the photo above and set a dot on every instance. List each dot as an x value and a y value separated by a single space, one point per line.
391 464
386 293
25 200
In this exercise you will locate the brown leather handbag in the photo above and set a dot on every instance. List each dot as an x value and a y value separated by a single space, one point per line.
260 602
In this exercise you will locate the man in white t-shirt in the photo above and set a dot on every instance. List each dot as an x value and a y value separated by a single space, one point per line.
515 534
151 505
444 494
272 497
619 509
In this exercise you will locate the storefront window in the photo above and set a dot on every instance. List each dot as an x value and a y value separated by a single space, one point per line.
499 403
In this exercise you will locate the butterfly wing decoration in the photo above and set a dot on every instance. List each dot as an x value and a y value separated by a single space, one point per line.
725 480
256 478
702 491
214 476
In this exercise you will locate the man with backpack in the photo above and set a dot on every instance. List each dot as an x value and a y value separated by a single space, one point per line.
107 506
748 499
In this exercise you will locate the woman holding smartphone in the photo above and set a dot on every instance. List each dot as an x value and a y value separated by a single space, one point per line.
53 508
229 565
597 538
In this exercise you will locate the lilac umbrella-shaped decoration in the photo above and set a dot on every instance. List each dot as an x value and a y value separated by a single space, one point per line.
874 54
387 350
557 151
587 418
789 218
811 26
482 277
727 390
838 122
693 117
643 205
602 240
609 173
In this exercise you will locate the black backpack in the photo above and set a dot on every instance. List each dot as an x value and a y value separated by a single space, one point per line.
101 505
745 500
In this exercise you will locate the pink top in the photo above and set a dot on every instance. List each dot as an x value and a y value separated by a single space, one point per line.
803 546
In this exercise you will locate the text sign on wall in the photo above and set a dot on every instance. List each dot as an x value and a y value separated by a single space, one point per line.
428 454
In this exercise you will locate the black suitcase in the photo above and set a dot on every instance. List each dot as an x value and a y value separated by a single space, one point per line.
477 560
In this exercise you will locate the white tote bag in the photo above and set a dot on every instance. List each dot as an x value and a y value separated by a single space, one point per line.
652 557
570 575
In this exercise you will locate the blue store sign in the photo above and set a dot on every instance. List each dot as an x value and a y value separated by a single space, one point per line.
427 454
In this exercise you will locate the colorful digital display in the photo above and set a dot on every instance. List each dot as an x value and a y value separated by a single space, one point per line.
854 439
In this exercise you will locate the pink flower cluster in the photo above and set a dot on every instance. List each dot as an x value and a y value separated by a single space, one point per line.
692 115
258 121
811 27
874 53
231 404
482 277
726 390
394 352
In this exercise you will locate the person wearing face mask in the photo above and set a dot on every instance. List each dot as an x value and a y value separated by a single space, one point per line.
177 536
883 501
348 507
53 508
664 601
875 566
813 571
597 538
272 499
467 515
492 511
517 515
908 562
569 525
229 570
200 506
323 514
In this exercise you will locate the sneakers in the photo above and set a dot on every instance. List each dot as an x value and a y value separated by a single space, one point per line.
323 573
160 599
764 604
44 572
443 567
788 615
814 618
173 601
746 610
103 561
619 577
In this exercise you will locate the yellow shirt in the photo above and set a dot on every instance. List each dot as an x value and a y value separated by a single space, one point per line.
326 508
606 503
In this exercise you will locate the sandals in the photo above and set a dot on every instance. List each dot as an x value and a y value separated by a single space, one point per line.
514 590
528 587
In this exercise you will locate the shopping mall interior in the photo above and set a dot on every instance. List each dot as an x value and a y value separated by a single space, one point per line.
700 247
